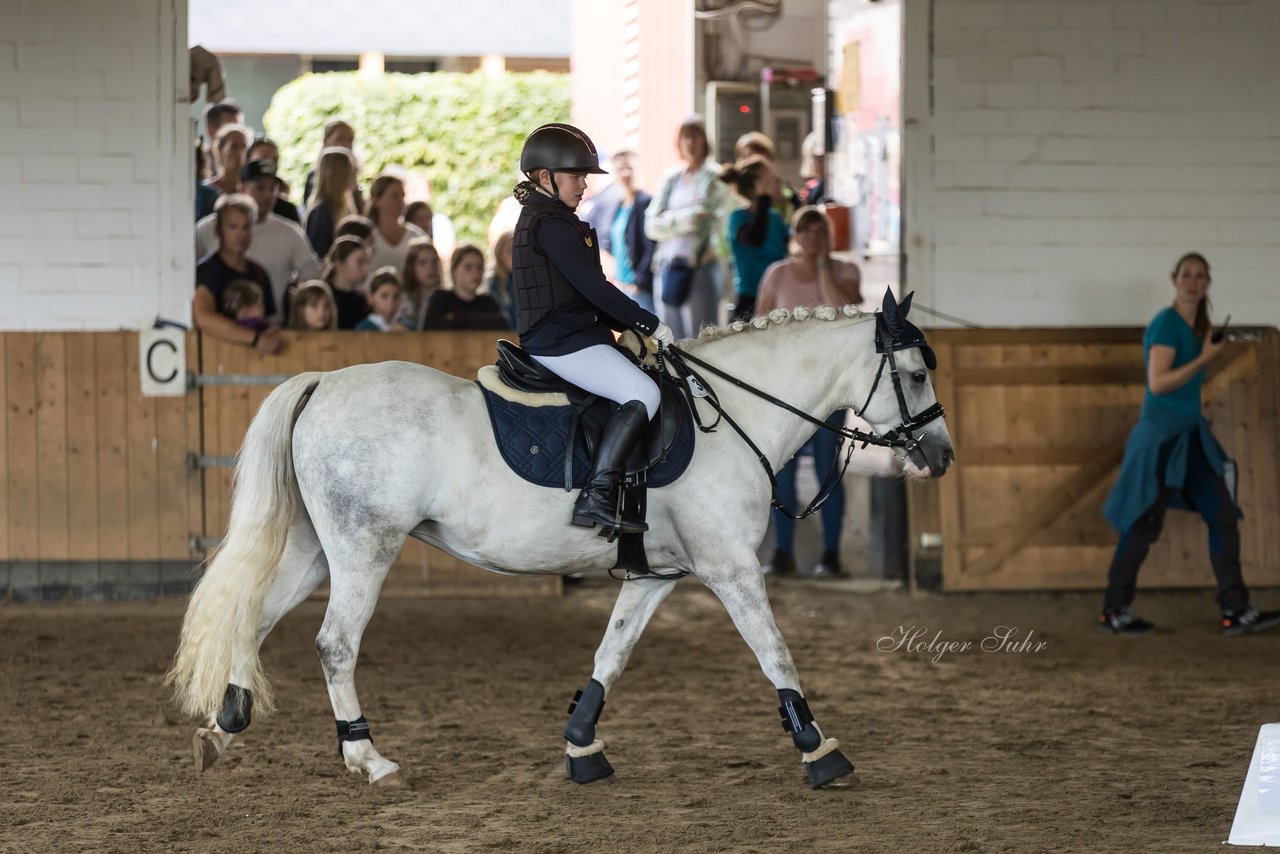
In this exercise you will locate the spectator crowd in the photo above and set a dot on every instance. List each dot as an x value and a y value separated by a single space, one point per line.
368 257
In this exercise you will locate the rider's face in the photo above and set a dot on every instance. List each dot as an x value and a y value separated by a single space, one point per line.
571 186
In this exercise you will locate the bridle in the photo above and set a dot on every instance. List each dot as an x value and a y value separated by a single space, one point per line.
907 435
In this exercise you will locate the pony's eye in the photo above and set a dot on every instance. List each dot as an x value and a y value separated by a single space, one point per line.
919 377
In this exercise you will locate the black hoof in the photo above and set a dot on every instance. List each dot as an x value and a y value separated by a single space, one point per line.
587 769
831 767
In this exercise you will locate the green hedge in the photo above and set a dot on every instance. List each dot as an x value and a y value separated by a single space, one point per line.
463 130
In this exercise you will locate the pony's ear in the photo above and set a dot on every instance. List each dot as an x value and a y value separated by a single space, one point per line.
889 305
905 305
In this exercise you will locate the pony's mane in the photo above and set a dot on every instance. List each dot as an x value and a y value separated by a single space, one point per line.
781 317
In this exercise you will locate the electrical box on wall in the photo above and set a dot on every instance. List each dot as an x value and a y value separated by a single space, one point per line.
733 108
779 105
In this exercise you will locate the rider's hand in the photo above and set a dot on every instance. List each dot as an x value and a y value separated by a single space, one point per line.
663 334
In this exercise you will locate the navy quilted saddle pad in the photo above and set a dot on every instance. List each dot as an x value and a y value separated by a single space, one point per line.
535 440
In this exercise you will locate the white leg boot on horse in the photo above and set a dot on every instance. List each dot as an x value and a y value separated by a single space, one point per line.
743 595
302 567
585 761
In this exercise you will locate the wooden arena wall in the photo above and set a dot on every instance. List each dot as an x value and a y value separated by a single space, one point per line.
1039 419
100 496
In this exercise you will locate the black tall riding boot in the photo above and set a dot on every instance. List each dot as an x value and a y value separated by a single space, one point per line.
598 503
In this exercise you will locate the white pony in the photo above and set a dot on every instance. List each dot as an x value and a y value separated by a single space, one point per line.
338 468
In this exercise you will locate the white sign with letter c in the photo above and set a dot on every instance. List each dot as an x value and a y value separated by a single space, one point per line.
162 362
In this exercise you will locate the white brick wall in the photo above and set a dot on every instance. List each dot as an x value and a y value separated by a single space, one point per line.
95 164
1065 153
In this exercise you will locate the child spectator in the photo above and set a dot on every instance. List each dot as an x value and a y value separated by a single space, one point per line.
757 233
419 213
391 234
313 308
242 302
437 226
499 285
463 306
334 199
384 300
358 226
421 279
346 270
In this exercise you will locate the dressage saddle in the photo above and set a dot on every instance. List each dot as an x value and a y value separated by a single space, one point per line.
658 459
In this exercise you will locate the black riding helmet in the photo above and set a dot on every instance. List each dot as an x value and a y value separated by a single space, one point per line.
560 148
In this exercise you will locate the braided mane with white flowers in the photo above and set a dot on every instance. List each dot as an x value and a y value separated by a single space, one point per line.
781 317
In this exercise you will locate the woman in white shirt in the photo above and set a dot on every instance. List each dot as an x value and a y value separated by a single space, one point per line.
686 219
391 234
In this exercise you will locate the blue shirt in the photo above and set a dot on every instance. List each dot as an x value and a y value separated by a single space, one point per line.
1169 329
1157 451
625 272
750 262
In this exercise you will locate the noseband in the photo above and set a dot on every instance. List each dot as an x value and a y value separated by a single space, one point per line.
902 436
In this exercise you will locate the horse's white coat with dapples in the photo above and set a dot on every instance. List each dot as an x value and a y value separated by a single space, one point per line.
381 452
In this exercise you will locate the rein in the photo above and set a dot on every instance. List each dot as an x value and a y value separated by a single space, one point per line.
694 386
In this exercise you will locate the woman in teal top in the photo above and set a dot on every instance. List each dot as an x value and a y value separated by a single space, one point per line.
1173 460
757 232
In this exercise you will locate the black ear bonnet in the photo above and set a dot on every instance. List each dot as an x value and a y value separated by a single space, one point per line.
902 334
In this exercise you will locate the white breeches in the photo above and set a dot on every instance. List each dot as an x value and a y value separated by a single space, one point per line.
606 373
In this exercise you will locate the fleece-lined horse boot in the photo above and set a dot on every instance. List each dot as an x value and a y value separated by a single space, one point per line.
598 503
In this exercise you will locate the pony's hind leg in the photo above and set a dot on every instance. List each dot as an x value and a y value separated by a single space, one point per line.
358 566
584 753
743 595
302 567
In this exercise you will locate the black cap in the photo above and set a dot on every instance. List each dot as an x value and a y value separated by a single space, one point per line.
255 169
560 148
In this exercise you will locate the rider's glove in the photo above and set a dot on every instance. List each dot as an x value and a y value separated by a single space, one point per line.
663 334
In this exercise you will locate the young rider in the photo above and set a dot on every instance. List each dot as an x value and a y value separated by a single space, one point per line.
566 309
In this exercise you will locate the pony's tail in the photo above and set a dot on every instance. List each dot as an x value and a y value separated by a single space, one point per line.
219 631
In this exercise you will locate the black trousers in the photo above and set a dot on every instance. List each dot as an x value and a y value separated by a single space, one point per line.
1208 494
744 307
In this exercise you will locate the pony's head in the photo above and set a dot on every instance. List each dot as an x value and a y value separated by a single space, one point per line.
899 396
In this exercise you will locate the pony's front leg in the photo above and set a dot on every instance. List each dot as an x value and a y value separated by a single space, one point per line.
584 760
743 595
